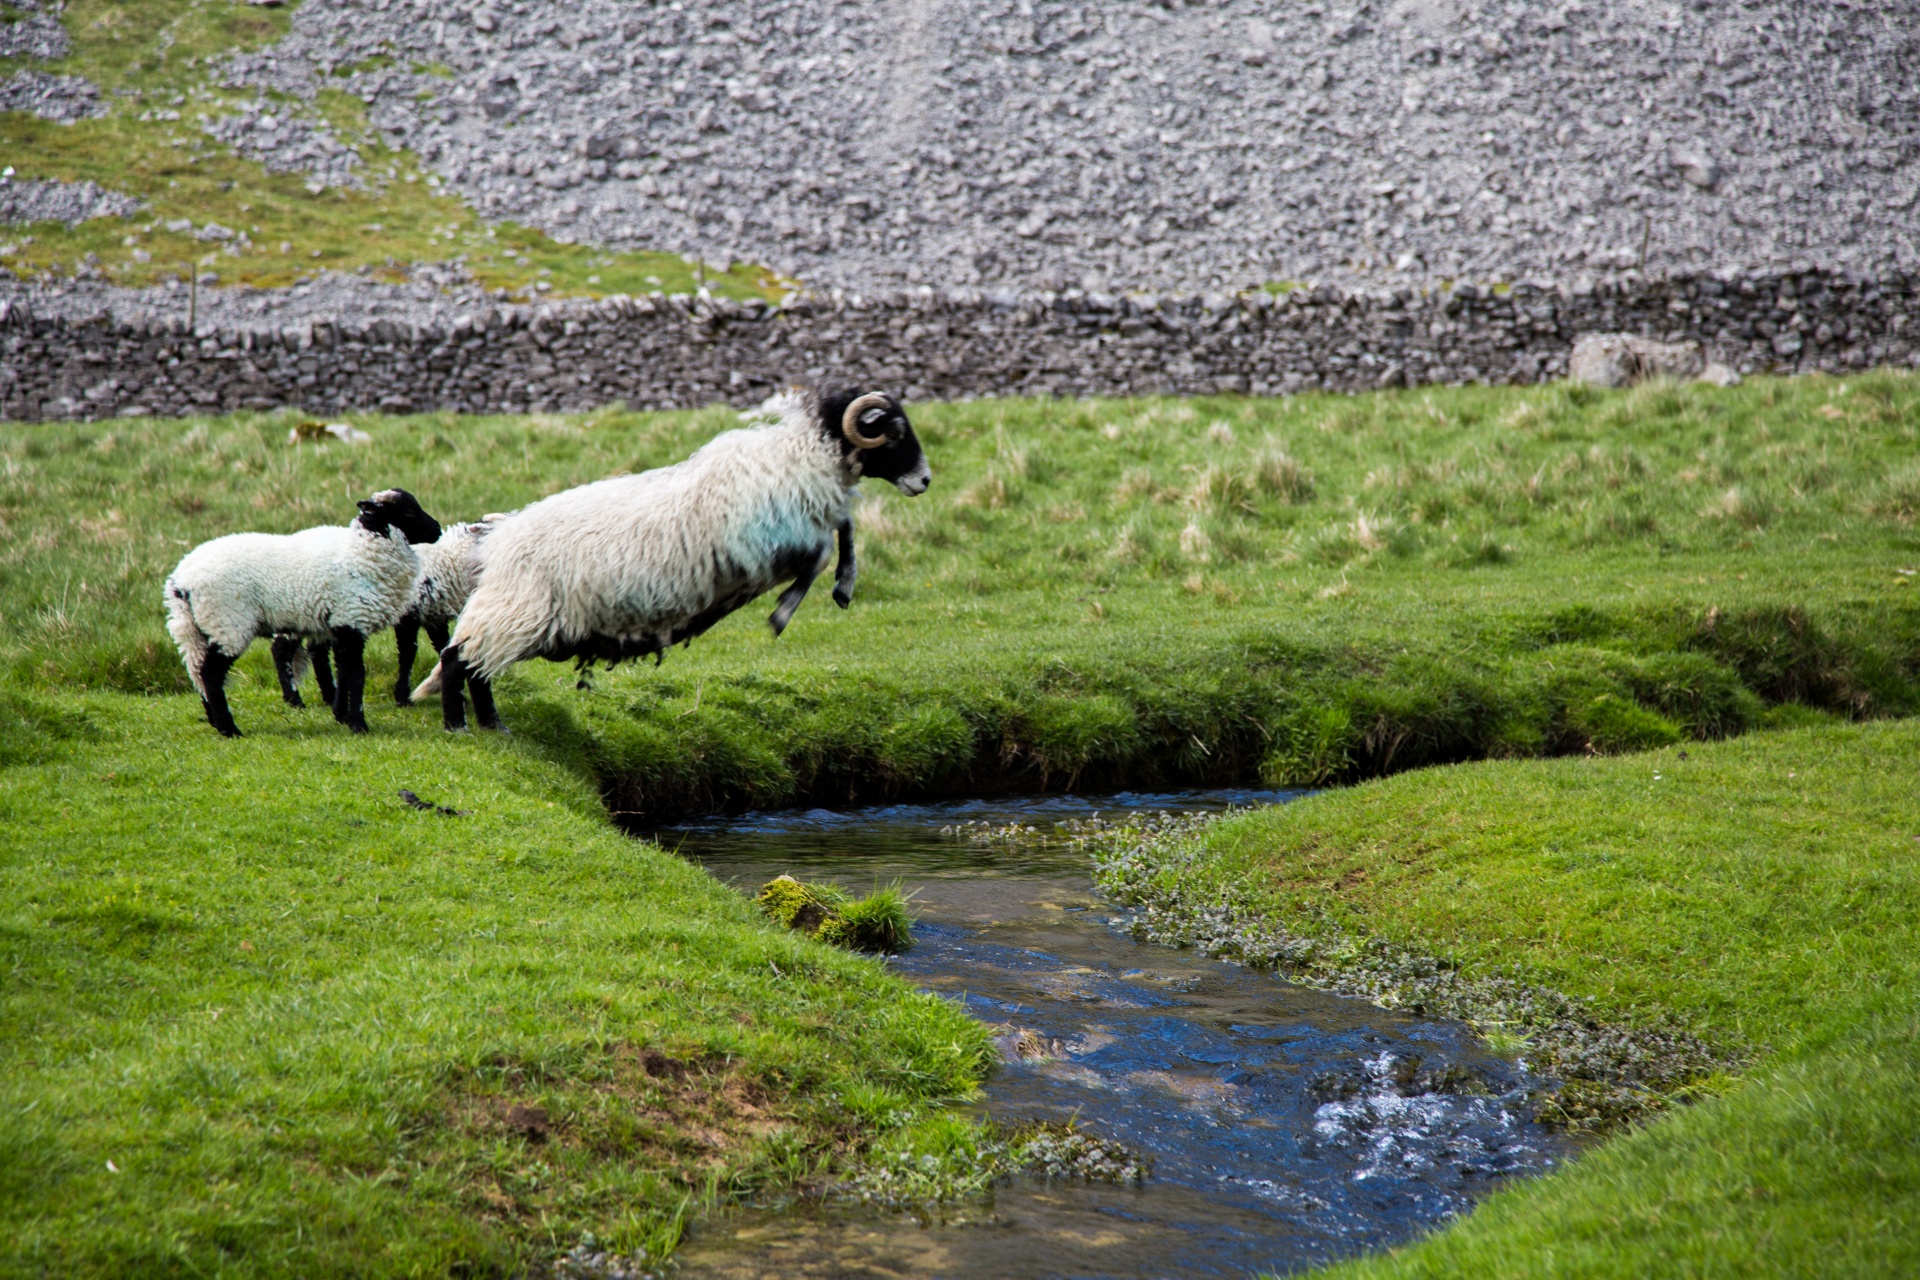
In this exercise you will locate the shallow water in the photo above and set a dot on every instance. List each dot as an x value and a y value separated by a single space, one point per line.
1284 1126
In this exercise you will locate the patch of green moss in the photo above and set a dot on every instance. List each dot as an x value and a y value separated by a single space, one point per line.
878 923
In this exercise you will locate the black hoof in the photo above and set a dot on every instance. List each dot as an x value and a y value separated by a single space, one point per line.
295 701
229 733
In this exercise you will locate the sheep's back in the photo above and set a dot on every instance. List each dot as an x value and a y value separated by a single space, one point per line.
254 584
447 572
639 555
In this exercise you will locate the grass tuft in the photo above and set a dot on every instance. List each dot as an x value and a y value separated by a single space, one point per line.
879 923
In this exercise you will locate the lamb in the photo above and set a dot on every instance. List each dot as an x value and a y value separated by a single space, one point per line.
331 586
627 567
447 570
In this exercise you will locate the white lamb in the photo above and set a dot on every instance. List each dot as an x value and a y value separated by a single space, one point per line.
329 586
629 566
448 569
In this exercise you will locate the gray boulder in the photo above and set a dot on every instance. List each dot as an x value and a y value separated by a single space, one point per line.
1623 359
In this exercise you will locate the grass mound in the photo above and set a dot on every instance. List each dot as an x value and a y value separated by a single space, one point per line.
265 1018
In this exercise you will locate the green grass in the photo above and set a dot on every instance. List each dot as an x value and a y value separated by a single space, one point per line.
1313 589
261 1018
1321 588
161 56
1765 892
880 923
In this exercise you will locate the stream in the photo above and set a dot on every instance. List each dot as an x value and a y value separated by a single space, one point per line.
1285 1127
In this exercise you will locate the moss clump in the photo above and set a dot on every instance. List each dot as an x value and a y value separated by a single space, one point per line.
879 922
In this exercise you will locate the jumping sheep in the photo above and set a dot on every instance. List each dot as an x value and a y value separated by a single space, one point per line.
627 567
447 569
331 586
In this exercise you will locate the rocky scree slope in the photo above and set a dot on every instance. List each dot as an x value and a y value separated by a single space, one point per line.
1134 144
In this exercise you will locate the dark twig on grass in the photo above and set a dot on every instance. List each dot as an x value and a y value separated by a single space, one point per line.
415 802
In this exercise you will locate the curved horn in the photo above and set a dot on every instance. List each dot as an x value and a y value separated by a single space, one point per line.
850 422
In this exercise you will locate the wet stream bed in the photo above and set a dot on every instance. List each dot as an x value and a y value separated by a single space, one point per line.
1284 1127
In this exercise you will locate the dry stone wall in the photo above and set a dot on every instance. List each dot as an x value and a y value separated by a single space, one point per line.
680 352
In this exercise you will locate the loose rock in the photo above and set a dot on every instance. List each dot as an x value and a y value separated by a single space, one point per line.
1622 359
61 99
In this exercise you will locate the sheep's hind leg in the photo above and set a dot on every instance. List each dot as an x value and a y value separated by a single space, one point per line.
318 652
453 683
213 678
483 708
350 692
406 638
286 665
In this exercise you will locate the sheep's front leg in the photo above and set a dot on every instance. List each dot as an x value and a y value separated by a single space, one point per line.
844 573
790 598
406 638
287 665
349 694
213 678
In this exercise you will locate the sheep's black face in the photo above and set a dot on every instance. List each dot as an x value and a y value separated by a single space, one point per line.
396 509
897 457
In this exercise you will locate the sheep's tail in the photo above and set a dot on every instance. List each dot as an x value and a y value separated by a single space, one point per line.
428 687
187 634
500 626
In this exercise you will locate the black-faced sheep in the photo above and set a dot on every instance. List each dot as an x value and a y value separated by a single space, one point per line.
328 586
627 567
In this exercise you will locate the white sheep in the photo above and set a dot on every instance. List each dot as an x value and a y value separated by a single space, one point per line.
329 586
447 571
629 566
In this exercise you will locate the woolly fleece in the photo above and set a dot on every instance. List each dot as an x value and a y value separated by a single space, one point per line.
637 556
231 590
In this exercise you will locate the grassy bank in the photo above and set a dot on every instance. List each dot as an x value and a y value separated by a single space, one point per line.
264 1018
1309 590
1762 893
252 978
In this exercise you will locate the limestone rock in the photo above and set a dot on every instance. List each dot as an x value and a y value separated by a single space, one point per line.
1623 359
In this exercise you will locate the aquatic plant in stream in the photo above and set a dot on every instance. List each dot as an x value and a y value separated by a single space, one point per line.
905 1179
